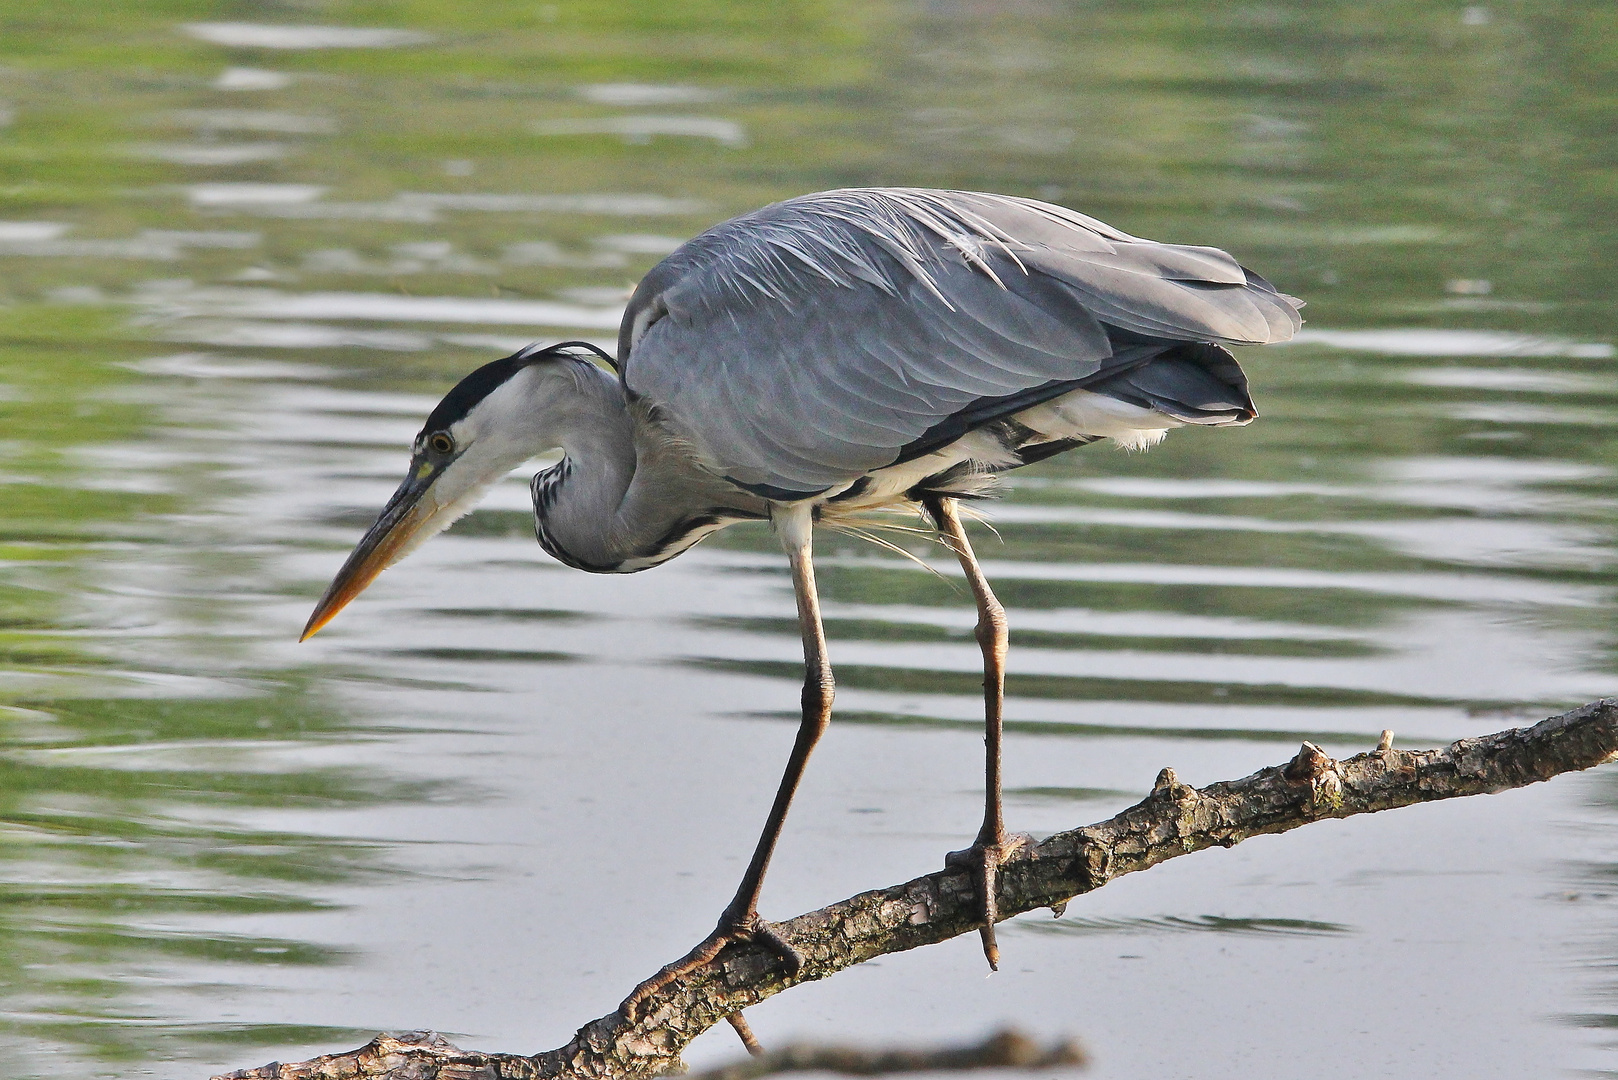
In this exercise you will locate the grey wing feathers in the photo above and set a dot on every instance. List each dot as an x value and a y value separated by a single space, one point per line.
814 340
1198 384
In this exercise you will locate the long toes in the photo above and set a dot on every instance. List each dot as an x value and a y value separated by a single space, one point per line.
1009 847
753 929
988 880
632 1006
983 861
768 936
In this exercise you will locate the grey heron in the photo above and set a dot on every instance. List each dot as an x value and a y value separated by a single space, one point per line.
823 358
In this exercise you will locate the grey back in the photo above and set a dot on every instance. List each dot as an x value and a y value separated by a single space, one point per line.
807 343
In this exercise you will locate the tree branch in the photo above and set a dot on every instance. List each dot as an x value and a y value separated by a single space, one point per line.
1175 819
1007 1049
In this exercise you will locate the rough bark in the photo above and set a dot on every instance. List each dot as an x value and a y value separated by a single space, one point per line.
1175 819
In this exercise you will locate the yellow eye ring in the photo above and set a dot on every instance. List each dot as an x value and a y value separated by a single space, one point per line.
441 443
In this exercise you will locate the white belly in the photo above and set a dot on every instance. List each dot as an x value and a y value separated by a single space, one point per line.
1078 414
1084 413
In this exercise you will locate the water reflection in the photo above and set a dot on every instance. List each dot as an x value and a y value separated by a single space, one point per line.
222 848
136 856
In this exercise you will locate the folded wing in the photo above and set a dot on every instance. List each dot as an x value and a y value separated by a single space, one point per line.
815 340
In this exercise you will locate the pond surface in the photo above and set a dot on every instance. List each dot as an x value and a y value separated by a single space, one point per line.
242 260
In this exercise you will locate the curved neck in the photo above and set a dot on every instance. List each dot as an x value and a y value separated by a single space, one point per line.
622 498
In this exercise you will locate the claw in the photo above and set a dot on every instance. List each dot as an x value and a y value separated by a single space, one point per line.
697 957
767 935
984 860
748 928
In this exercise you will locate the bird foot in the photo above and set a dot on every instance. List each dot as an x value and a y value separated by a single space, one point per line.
749 927
984 860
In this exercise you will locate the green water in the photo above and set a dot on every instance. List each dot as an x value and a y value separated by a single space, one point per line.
497 793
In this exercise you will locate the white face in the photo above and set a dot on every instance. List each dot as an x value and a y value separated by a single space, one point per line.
450 471
504 430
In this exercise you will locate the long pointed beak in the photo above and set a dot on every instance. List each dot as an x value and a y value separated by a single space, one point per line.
385 543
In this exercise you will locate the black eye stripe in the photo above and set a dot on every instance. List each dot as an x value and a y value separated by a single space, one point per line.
466 394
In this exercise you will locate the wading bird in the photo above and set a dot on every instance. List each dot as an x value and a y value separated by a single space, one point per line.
822 358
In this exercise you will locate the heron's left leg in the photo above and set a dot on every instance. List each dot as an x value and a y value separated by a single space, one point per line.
740 920
993 845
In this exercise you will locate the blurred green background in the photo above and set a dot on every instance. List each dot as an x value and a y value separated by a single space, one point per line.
200 827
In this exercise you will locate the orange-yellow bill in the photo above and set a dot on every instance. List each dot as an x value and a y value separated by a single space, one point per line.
379 549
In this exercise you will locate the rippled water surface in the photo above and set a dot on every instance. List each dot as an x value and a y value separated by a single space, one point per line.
239 261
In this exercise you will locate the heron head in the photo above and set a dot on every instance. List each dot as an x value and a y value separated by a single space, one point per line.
490 423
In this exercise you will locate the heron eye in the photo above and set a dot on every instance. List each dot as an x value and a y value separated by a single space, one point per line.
441 443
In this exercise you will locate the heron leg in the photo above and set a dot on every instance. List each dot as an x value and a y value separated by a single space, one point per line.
993 846
740 919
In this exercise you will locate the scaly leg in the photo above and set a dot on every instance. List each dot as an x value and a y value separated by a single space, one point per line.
993 846
740 919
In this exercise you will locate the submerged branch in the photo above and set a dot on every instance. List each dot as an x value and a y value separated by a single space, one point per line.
1175 819
1007 1049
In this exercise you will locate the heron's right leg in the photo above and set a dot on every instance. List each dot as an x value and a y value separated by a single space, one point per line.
740 919
993 846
